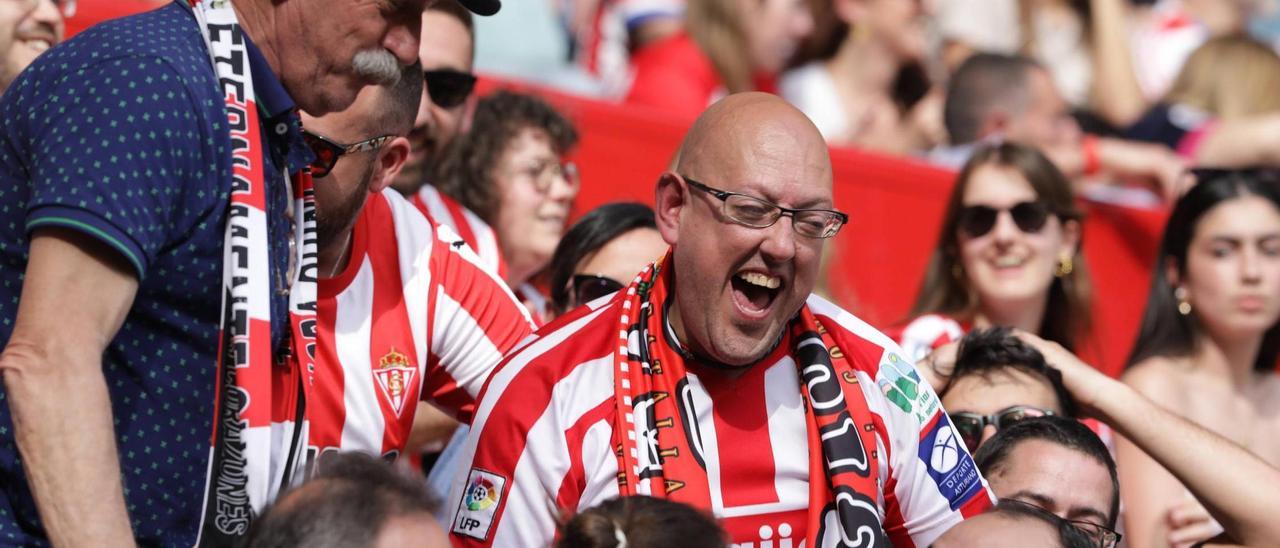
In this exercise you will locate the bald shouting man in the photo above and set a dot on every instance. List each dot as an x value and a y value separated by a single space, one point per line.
716 379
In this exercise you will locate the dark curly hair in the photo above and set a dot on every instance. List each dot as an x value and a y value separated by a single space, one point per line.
984 351
466 171
641 522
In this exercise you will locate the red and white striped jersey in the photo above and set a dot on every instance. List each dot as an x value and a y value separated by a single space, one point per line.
543 441
413 316
473 230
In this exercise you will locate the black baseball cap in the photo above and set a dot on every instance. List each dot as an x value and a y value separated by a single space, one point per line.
482 7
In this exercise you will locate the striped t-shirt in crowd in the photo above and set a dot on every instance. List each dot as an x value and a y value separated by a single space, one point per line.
473 230
414 316
543 440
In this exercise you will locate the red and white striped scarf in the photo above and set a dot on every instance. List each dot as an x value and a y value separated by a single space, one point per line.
656 457
259 431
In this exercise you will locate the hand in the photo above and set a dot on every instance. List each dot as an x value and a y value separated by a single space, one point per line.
1189 523
1085 383
936 368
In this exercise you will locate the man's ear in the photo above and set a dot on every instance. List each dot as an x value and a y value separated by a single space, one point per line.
390 161
672 195
996 123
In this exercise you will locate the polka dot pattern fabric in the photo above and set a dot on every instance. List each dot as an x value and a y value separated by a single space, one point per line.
121 134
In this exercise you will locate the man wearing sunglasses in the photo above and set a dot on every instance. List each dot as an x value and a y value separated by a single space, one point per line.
717 379
997 380
406 312
447 53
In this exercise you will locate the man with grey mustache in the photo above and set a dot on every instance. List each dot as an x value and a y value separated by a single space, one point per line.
157 263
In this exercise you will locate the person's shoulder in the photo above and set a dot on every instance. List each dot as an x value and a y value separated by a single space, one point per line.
1160 378
169 33
867 339
122 64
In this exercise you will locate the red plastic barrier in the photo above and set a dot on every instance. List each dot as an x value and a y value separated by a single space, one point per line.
895 207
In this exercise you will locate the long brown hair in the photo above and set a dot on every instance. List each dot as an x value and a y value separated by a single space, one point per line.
716 26
946 290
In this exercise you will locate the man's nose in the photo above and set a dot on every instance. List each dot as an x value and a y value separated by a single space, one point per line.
779 243
403 40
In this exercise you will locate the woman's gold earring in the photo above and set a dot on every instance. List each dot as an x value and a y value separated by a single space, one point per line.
1065 267
1184 306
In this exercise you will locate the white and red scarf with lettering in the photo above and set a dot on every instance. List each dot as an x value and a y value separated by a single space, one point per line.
259 431
657 457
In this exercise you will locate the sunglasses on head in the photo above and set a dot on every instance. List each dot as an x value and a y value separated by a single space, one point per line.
448 88
328 152
588 287
978 220
970 425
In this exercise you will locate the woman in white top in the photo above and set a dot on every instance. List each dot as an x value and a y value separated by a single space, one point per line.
849 91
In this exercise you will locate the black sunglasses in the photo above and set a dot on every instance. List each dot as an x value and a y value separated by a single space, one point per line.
969 425
448 88
328 152
977 220
585 288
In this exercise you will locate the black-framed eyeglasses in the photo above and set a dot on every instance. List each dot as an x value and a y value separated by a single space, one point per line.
758 213
328 151
969 425
584 288
448 88
977 220
1104 536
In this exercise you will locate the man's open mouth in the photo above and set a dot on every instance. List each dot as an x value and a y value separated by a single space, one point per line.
754 292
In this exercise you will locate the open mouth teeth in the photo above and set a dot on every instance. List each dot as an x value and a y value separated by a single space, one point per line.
754 291
1007 261
762 280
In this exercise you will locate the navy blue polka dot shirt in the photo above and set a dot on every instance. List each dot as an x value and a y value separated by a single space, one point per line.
121 134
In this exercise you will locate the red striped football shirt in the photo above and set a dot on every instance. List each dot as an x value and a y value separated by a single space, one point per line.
543 440
473 230
414 316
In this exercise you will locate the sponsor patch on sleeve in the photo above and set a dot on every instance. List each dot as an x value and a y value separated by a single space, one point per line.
479 505
949 464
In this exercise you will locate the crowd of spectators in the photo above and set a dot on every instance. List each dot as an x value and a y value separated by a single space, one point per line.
300 247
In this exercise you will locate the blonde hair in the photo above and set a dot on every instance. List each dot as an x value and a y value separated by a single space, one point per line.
716 26
1229 77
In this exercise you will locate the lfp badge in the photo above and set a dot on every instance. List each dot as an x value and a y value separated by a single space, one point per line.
479 505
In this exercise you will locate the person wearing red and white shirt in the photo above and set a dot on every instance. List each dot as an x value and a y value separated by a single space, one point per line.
406 311
716 378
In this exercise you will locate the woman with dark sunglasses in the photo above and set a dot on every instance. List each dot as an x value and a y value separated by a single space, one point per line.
1008 255
602 252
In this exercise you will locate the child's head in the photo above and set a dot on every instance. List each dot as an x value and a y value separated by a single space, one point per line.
641 522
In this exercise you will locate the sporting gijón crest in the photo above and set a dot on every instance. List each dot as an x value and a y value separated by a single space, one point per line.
395 375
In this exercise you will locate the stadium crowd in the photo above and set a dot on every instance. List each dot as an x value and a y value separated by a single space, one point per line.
277 273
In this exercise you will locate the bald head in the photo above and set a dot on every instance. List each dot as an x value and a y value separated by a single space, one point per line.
741 269
737 130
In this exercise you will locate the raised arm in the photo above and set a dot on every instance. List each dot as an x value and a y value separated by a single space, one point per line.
1117 96
75 296
1222 475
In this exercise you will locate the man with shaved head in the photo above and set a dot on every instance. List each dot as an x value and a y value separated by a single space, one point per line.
718 380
